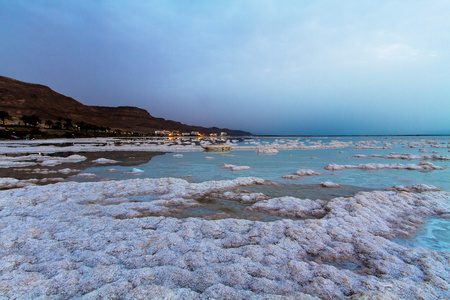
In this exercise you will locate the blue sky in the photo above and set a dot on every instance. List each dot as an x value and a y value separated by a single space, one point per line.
268 67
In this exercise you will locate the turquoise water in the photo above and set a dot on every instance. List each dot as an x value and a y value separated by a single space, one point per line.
435 234
195 168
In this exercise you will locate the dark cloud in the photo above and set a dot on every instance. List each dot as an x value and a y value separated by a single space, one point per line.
275 67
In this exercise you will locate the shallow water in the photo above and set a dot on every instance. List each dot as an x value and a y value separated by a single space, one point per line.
195 168
305 191
435 234
214 208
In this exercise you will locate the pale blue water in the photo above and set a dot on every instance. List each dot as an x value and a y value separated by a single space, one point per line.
434 235
194 165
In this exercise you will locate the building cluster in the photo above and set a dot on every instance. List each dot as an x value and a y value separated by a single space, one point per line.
192 133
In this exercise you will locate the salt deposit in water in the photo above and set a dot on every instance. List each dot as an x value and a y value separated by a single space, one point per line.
329 184
300 173
266 151
421 166
105 161
235 168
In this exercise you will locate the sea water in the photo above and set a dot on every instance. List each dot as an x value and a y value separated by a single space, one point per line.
199 167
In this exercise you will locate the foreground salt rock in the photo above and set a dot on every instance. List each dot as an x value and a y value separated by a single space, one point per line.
235 168
95 240
300 173
421 166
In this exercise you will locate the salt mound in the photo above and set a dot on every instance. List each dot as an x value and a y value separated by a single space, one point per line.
235 168
329 184
421 166
134 171
404 156
266 151
105 161
49 161
418 188
87 175
92 240
7 183
301 173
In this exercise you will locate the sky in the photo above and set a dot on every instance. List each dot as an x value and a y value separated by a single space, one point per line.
311 67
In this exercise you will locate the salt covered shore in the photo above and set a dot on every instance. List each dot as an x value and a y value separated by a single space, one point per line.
189 144
119 240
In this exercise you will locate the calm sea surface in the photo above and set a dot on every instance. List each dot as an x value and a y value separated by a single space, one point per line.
198 167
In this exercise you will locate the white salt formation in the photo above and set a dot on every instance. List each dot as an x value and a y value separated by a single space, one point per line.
329 184
36 159
105 161
235 168
301 173
404 156
95 240
134 171
164 145
421 166
9 183
266 151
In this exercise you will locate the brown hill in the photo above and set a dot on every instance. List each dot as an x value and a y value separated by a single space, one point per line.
20 98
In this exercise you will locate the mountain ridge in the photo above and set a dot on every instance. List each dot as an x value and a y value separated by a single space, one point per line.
22 98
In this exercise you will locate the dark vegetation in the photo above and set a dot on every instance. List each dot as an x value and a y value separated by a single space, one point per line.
29 128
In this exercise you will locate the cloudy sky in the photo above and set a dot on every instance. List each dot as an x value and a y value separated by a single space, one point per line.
268 67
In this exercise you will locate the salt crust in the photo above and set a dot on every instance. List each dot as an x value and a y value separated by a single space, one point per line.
163 145
69 240
235 168
9 183
421 166
105 161
134 171
266 151
35 159
329 184
405 156
47 171
301 173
